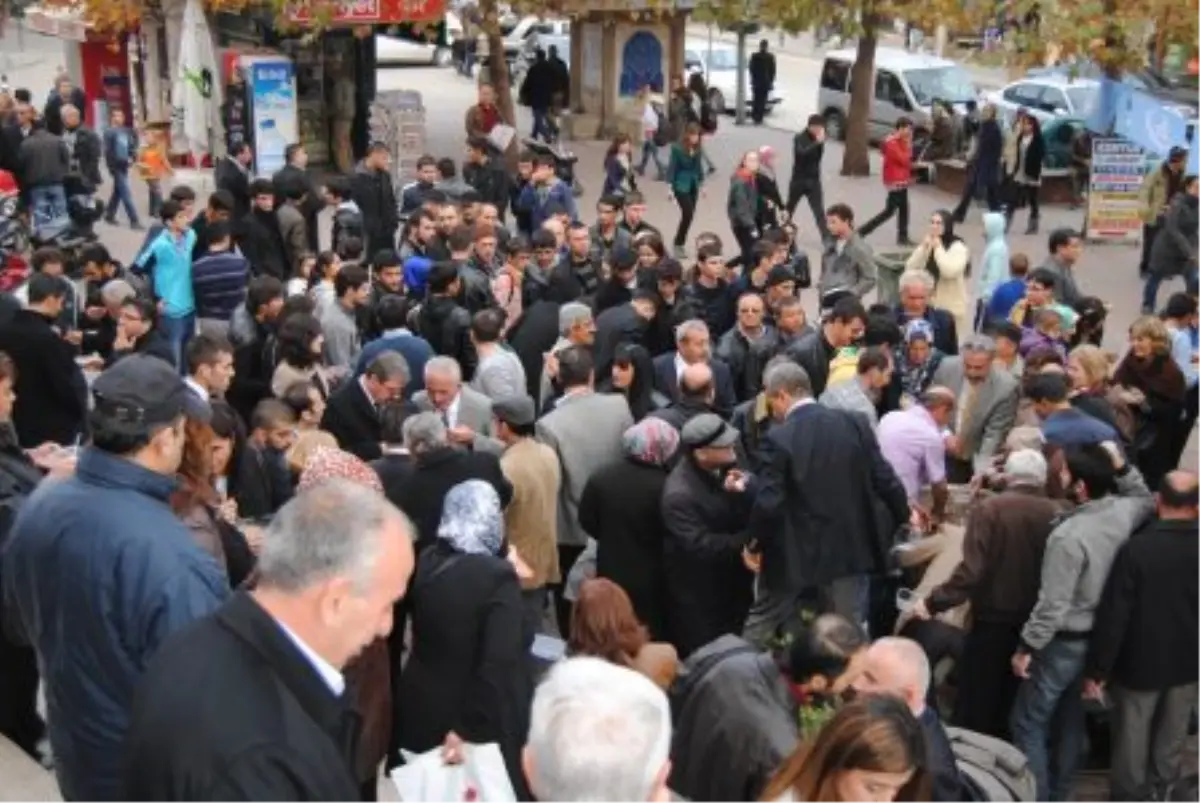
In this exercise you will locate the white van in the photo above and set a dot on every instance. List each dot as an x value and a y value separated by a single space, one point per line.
905 85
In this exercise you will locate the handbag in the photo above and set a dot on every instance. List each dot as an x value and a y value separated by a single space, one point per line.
482 776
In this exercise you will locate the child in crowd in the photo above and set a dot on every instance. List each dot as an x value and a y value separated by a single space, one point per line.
1047 332
1007 336
301 279
1005 296
323 293
154 165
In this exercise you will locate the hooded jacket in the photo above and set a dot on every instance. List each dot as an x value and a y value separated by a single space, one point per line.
993 268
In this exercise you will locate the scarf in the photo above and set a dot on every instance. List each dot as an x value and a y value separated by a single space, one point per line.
651 442
489 118
1157 376
327 464
472 522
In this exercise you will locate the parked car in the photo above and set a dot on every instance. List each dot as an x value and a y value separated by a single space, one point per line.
401 51
1146 79
520 35
1047 97
905 85
718 65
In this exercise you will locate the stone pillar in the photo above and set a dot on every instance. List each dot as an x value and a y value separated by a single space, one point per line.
611 80
576 63
153 103
675 49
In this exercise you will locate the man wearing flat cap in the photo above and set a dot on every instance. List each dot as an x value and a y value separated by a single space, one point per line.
101 571
531 519
705 508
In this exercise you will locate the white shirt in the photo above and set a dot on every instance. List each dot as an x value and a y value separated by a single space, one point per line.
680 365
333 678
196 388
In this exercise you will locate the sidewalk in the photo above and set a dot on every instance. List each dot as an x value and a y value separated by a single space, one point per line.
803 46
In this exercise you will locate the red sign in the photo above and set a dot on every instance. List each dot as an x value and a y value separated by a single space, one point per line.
369 12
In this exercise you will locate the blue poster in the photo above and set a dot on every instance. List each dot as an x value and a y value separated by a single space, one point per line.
1145 121
273 112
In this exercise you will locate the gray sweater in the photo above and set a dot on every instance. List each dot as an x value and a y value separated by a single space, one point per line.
500 375
1079 553
342 343
853 268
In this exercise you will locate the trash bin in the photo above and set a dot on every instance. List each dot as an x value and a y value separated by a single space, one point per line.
890 266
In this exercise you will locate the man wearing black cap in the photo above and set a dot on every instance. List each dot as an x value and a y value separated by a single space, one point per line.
705 505
531 519
102 571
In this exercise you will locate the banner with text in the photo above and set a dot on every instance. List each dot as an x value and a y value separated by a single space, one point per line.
1118 169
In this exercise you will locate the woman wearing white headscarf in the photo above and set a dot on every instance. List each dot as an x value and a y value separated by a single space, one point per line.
468 672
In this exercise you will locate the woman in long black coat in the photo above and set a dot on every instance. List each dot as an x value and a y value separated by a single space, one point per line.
984 180
621 508
468 671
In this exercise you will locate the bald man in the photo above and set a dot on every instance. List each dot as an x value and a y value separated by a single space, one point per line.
85 148
1144 644
898 667
697 392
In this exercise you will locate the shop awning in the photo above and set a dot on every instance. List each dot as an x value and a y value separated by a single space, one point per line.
370 12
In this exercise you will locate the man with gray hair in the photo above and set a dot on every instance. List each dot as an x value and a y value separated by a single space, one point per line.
898 667
693 346
998 577
817 520
264 715
576 327
987 407
352 414
598 731
466 412
85 148
916 290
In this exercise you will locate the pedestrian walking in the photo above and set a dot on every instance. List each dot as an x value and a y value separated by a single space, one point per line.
897 175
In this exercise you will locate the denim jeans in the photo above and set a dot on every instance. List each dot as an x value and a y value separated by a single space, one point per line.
49 205
542 125
1047 718
121 196
154 187
179 332
1150 289
650 151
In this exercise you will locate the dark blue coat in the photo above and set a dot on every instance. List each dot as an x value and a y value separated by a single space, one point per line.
100 572
989 148
415 350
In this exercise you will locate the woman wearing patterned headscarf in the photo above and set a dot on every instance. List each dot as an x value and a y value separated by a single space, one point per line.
468 671
918 359
369 676
621 508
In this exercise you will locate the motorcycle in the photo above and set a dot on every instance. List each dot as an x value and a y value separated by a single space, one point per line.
72 234
14 236
564 162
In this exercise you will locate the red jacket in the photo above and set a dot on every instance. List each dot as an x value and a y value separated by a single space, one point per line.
897 161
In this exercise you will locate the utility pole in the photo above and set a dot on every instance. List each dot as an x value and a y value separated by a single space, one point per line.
740 95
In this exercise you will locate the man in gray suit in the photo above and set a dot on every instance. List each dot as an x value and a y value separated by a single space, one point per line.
584 429
987 407
466 413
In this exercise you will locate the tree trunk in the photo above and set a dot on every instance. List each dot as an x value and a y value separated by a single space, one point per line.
856 161
501 80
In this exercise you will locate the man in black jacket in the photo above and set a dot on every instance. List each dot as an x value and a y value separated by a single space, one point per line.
13 135
65 94
444 322
295 174
486 175
762 81
814 351
232 173
626 323
258 235
915 290
85 148
352 414
372 191
43 163
265 716
1144 645
808 147
51 391
827 506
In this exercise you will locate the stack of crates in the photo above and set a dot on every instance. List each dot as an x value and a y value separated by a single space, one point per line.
397 119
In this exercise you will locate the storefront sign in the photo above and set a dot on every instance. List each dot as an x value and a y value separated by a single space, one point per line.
1118 169
367 12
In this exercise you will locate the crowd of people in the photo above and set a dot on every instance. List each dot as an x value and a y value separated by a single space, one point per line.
271 513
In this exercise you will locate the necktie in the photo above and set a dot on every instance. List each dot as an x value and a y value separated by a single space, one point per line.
446 418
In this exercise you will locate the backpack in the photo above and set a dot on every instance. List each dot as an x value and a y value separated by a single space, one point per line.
993 769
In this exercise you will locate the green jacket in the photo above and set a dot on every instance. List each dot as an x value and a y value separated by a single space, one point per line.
685 172
742 205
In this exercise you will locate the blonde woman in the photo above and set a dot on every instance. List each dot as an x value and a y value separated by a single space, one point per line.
1149 369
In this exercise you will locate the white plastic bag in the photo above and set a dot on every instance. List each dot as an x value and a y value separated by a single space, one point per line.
482 776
